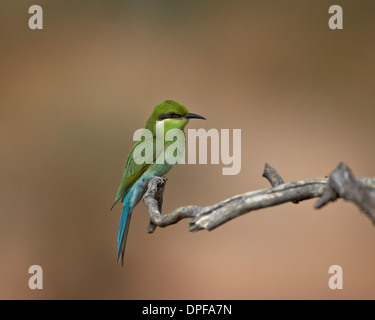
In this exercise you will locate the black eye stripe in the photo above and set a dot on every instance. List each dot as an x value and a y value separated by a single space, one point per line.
162 116
174 115
169 115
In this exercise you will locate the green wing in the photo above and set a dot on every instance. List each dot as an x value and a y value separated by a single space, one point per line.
133 170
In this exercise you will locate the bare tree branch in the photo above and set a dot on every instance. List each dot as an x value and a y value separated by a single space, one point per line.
343 184
272 176
153 200
340 184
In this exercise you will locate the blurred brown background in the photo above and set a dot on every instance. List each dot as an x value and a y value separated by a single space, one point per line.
73 94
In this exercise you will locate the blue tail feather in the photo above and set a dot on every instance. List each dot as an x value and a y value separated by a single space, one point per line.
123 230
131 198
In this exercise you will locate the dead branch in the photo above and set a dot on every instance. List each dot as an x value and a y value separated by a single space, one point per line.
340 184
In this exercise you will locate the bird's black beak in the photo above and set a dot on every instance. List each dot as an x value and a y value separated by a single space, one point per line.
193 116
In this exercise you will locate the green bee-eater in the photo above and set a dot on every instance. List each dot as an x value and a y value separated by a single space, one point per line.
166 116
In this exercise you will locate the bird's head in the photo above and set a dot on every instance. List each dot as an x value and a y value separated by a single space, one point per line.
172 114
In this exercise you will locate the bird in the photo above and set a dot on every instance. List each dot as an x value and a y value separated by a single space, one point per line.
166 116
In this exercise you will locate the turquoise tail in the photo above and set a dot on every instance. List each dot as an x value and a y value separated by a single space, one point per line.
131 198
123 229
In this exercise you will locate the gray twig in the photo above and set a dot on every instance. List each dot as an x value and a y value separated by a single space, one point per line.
343 184
272 176
153 199
340 184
